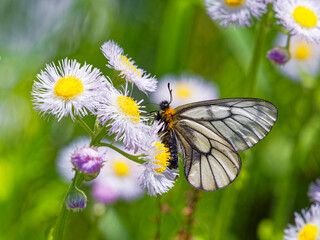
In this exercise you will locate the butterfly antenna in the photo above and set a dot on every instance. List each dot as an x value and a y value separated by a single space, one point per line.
170 90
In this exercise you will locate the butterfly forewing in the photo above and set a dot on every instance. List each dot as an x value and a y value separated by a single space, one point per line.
242 122
210 133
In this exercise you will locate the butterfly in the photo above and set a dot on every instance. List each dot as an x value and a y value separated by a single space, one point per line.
209 135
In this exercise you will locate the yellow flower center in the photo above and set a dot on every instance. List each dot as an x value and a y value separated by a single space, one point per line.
302 52
308 232
163 157
129 107
128 64
183 90
234 3
121 168
305 17
68 87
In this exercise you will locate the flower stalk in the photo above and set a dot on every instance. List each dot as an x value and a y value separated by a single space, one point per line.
59 227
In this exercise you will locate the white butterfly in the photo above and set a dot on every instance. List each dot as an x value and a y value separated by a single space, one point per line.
209 135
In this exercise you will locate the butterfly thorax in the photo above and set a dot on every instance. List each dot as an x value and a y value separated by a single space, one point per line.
165 114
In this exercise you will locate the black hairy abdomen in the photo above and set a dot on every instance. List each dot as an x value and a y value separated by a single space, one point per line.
173 163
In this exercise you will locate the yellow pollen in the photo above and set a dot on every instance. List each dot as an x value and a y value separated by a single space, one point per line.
305 17
308 232
234 3
163 157
129 107
129 65
68 87
183 90
302 52
121 168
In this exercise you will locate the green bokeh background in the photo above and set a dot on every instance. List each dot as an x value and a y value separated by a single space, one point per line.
162 36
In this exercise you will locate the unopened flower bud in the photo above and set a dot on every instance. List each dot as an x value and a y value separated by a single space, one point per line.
76 200
87 160
279 55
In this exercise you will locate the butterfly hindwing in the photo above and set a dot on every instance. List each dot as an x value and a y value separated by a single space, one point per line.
210 162
210 133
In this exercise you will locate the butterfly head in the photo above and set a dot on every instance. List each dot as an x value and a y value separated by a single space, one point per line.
164 105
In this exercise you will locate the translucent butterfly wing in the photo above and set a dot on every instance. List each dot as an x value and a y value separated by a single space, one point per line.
212 132
210 162
241 121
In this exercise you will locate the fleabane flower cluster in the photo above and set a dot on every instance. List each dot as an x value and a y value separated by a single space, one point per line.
75 90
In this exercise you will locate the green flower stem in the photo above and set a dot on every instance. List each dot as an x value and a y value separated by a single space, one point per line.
288 43
255 61
96 140
177 18
127 155
96 125
279 28
59 227
85 126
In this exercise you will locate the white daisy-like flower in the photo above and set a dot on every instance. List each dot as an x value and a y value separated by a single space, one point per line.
156 177
238 12
307 225
64 165
185 89
118 179
68 89
305 57
128 70
300 17
122 114
314 191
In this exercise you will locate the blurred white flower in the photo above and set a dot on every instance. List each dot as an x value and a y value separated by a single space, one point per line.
314 191
305 57
307 225
300 17
128 70
238 12
185 89
68 89
122 114
118 179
